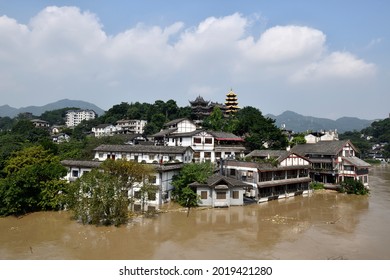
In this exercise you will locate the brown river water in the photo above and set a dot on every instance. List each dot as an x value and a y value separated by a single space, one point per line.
324 225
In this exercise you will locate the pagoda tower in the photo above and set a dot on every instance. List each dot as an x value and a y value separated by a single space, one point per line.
231 103
200 108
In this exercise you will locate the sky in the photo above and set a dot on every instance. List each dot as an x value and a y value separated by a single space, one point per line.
318 58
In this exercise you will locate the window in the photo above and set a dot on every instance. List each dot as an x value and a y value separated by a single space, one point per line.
221 195
235 194
197 155
217 154
137 194
152 179
232 172
208 140
101 155
203 194
197 140
207 154
151 196
75 173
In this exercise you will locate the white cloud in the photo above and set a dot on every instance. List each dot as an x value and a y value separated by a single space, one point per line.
337 65
64 53
282 44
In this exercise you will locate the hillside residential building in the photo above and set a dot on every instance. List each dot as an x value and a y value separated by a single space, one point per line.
76 168
316 137
144 154
334 161
131 126
75 117
104 130
220 191
207 145
40 123
285 174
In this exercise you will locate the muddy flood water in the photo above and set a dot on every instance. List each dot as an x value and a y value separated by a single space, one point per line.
324 225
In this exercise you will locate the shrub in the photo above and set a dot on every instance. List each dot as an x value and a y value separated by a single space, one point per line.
352 186
316 186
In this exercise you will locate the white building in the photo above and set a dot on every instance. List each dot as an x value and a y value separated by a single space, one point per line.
104 130
207 145
131 126
168 161
287 176
220 191
75 117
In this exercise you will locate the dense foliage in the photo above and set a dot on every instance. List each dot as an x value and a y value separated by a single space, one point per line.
352 186
378 132
101 197
259 131
32 182
191 172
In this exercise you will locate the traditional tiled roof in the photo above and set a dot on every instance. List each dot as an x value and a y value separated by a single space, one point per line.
321 148
356 161
81 163
142 149
164 132
104 125
184 134
218 179
174 122
221 135
267 153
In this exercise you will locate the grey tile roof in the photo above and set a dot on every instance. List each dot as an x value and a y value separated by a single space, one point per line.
164 132
217 179
322 147
142 149
104 125
174 122
225 135
81 163
266 153
356 161
184 134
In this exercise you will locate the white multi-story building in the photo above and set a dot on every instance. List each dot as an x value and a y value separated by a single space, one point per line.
131 126
75 117
207 145
104 130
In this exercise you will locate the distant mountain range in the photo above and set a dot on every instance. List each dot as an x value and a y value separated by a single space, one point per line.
300 123
7 111
291 120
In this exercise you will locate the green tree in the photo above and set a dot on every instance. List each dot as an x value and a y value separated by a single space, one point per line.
216 121
101 196
298 139
191 172
352 186
56 116
32 182
258 130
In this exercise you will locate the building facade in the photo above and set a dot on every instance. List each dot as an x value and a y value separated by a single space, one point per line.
334 161
280 176
75 117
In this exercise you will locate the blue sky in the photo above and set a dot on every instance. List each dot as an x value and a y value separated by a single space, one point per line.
317 58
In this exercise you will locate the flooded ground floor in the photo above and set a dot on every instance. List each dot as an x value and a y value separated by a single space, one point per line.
323 225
